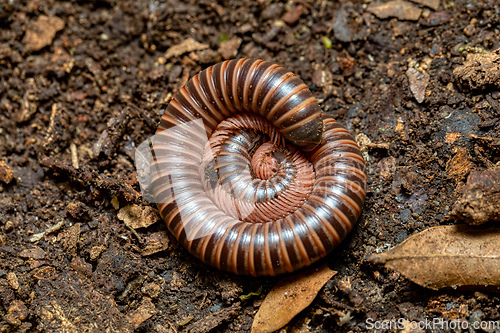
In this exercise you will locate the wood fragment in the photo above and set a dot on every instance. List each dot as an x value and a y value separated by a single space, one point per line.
460 165
186 46
447 257
145 311
479 72
74 155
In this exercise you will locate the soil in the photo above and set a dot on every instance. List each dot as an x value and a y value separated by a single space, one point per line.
84 82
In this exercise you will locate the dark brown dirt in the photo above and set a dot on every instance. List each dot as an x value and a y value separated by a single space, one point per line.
83 83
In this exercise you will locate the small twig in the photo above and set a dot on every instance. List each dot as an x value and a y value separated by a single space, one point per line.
107 143
88 177
203 301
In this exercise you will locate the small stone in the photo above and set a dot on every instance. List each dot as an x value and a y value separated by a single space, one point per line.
418 83
6 174
135 216
434 4
142 313
469 30
435 50
151 289
436 18
16 313
41 33
293 15
229 48
322 78
9 225
155 242
400 9
480 201
115 203
77 209
272 11
348 25
95 252
12 280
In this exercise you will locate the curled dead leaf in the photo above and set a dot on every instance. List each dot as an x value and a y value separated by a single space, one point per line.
289 297
447 257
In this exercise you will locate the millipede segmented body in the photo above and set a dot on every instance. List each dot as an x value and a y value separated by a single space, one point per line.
248 173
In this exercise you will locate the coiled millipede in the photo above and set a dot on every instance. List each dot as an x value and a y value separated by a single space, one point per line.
276 186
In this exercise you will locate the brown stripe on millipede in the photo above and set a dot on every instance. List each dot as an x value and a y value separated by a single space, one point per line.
212 201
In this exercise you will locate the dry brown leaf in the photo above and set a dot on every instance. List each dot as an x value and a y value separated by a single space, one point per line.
289 297
447 257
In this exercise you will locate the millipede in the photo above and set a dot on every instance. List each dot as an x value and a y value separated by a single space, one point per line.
250 175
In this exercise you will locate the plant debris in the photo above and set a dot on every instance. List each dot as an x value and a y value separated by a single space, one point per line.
479 72
186 46
289 297
447 257
251 294
480 201
87 177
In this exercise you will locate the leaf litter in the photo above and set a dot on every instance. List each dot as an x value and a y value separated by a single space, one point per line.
447 257
289 297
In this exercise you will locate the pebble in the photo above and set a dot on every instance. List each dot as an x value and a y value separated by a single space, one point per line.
13 280
135 216
434 4
6 174
229 48
348 24
41 32
418 83
293 15
436 18
400 9
469 30
322 78
272 11
16 313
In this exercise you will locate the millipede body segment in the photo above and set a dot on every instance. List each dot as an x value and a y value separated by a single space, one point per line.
248 173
